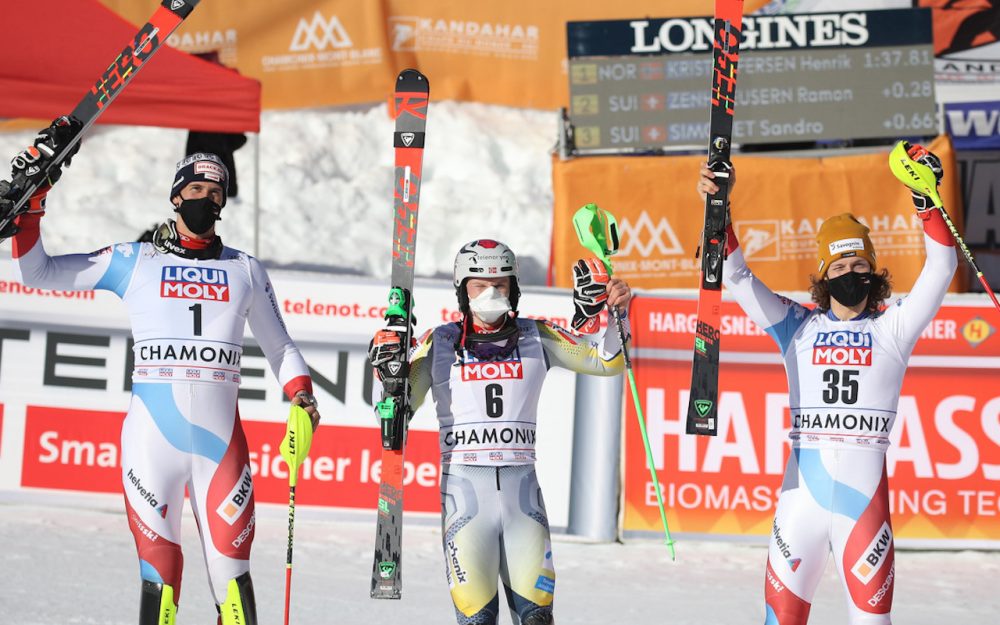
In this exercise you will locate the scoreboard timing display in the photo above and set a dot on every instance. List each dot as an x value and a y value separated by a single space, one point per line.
643 85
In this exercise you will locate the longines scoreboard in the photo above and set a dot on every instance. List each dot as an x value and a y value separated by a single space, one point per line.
643 84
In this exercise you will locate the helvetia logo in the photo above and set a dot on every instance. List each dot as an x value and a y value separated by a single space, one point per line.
646 238
319 34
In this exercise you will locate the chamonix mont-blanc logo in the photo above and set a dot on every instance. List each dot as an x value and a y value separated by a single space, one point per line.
646 238
321 41
320 34
461 36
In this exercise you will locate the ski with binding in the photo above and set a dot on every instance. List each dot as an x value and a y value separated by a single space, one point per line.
411 98
702 414
167 18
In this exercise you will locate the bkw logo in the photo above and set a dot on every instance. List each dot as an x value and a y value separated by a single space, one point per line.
319 34
645 237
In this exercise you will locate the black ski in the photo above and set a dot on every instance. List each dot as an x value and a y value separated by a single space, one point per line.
114 79
412 94
702 414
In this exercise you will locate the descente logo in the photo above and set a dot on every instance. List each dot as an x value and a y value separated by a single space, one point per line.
815 30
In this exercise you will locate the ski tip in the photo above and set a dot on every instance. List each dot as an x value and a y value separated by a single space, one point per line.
412 80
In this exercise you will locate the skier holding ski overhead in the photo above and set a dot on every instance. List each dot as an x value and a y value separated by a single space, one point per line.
485 374
189 298
845 361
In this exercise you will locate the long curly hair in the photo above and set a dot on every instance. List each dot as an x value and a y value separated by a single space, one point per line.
881 290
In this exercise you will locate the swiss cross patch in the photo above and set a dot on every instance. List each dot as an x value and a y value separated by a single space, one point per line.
205 283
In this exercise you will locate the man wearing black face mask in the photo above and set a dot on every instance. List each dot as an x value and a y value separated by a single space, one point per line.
189 298
845 361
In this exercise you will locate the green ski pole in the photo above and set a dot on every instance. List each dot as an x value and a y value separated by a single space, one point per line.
593 227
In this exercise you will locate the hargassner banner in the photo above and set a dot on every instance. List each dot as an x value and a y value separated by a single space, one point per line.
65 364
943 462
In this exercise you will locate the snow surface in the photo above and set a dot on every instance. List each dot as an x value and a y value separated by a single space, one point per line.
70 559
326 187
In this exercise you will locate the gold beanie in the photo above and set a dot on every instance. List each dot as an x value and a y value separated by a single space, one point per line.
843 236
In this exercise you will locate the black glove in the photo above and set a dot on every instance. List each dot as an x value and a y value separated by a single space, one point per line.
383 351
590 294
28 167
6 208
925 157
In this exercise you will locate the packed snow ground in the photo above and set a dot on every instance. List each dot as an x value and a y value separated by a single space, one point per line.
326 187
69 559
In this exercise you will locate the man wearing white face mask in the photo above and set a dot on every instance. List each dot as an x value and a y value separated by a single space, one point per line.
485 374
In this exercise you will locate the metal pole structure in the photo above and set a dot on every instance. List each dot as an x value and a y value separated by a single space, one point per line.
256 195
594 481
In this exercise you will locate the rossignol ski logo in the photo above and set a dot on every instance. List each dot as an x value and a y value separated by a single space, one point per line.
407 138
205 283
727 42
407 194
492 371
114 79
236 501
874 556
703 406
843 348
176 4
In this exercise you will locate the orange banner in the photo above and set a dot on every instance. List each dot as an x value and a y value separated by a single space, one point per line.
777 206
944 462
326 52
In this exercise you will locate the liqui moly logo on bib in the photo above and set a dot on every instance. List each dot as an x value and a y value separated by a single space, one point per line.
492 371
195 283
843 348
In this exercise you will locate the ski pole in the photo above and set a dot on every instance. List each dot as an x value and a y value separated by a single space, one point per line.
921 179
294 449
593 227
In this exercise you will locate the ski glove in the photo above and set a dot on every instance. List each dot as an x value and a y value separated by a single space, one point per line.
925 157
590 294
6 208
28 167
384 350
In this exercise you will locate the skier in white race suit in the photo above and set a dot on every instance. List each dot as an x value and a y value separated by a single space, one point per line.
485 374
845 361
188 298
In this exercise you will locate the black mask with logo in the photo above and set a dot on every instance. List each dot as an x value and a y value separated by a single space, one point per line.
851 288
199 215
